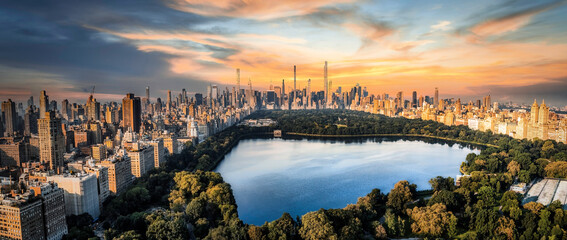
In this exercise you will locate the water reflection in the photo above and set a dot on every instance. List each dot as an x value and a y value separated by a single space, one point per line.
272 176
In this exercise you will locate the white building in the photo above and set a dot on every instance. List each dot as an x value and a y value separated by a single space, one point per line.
81 193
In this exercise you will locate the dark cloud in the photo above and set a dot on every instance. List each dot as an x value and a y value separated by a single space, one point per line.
554 92
50 37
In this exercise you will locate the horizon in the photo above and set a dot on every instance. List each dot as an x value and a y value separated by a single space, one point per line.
513 51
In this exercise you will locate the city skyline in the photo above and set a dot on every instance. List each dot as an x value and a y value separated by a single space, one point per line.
510 50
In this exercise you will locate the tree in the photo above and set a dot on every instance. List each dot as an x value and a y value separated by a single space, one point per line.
447 198
514 168
440 183
432 221
400 195
534 207
506 227
316 225
556 170
129 235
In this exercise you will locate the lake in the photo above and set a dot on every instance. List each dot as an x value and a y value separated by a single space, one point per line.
272 176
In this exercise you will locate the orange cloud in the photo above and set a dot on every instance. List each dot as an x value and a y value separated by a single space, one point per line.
258 9
509 23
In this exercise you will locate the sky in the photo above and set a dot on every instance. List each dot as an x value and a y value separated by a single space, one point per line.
514 50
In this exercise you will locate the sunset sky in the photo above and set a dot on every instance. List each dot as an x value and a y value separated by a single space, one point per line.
512 49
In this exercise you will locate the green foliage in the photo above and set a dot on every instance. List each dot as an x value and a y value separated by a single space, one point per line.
201 204
402 194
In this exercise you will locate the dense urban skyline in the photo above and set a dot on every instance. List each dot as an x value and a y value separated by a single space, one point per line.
512 50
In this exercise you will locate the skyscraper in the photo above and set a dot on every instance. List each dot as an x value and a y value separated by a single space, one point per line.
131 112
283 91
148 93
9 117
414 99
294 80
65 110
238 80
326 82
51 141
93 109
436 100
43 104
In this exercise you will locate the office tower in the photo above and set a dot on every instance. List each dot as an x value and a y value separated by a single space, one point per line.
51 141
283 91
215 92
65 110
294 80
534 113
53 201
414 99
168 103
170 143
192 131
30 101
141 159
93 109
148 93
119 173
131 112
99 152
233 97
436 100
9 117
238 79
81 193
543 113
101 179
326 82
43 104
95 133
13 153
159 151
21 218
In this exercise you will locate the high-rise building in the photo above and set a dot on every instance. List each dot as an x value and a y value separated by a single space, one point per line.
99 152
326 82
283 91
53 203
436 100
294 79
119 173
81 193
131 112
21 218
170 143
9 117
414 99
159 151
93 109
43 104
543 113
102 180
65 109
148 93
141 159
30 101
534 113
51 141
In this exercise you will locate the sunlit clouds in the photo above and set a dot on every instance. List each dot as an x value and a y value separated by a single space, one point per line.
465 48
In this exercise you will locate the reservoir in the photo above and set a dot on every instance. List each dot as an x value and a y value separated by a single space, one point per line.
272 176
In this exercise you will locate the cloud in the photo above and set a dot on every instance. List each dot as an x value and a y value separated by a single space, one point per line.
510 22
441 25
255 9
